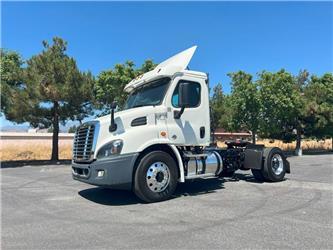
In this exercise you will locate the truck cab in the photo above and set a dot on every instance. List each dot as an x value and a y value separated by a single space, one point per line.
162 137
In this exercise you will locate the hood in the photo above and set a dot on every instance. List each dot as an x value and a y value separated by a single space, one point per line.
124 118
125 114
135 127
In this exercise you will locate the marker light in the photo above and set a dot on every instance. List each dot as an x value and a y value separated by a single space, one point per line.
100 173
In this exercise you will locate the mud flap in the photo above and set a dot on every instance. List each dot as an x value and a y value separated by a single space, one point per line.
253 156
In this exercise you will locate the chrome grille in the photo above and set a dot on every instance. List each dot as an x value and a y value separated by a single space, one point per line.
84 143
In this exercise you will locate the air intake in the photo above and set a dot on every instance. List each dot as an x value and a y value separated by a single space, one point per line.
83 146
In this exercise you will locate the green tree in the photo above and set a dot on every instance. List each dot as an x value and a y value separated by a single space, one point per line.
54 91
11 72
220 109
319 107
72 129
245 103
216 104
282 104
110 83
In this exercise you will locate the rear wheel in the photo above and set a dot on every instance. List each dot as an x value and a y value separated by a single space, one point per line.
274 167
156 177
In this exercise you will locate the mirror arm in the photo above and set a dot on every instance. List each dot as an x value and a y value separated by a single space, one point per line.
177 114
113 126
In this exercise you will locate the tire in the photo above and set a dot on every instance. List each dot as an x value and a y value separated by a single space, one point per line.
155 177
270 172
274 166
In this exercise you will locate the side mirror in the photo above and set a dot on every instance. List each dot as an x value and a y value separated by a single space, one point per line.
184 95
183 98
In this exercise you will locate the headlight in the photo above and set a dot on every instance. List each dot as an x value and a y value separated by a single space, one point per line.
112 148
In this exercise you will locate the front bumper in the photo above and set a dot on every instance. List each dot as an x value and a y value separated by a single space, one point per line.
118 171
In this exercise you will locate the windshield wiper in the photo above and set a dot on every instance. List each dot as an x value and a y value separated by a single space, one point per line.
141 105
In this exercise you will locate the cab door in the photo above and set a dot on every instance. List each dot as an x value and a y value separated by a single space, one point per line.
193 127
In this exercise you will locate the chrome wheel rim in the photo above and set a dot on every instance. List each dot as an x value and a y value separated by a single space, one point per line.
277 164
158 177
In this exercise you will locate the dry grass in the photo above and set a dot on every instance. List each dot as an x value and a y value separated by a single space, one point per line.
41 150
307 145
33 150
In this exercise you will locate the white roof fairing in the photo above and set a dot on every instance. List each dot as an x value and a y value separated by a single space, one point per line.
168 67
180 60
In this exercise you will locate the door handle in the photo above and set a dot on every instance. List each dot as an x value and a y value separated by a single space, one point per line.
202 132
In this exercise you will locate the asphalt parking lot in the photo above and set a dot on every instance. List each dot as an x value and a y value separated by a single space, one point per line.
43 208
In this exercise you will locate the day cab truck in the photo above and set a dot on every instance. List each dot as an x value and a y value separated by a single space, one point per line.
162 137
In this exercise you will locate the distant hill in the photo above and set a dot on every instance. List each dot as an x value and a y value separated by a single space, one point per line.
21 128
14 129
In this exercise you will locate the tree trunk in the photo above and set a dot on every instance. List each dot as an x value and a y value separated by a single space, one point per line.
253 137
213 136
55 136
298 150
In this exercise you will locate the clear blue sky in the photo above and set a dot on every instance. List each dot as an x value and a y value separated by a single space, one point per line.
250 36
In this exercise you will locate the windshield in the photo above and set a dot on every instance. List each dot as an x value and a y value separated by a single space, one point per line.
148 95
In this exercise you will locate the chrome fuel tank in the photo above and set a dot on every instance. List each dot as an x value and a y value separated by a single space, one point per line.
207 164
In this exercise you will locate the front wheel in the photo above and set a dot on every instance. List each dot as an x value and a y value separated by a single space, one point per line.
155 177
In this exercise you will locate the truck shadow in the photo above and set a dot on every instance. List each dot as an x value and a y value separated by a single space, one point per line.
110 197
23 163
199 187
243 176
204 186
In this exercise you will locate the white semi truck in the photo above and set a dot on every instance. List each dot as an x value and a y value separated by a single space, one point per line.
162 137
